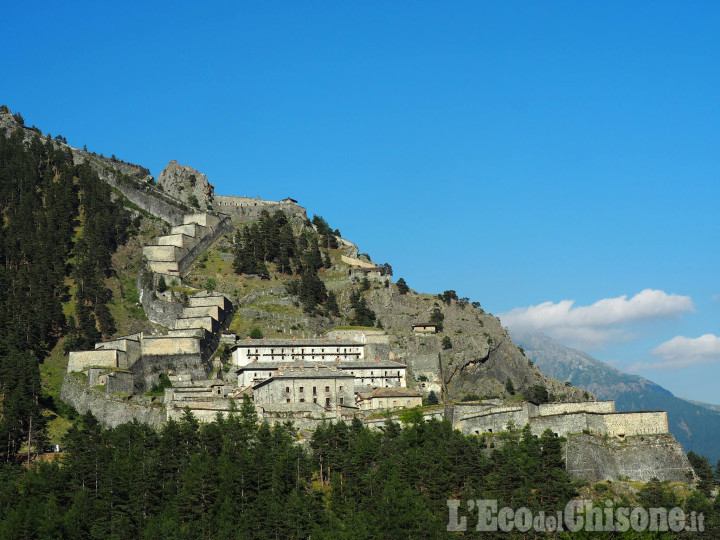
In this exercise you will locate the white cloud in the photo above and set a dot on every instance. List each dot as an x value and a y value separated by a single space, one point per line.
605 320
682 352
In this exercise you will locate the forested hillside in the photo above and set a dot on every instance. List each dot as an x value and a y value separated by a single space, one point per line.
59 230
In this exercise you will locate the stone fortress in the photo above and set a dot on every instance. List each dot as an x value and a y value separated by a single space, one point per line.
343 375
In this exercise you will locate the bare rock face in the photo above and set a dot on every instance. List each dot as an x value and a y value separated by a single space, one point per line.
188 185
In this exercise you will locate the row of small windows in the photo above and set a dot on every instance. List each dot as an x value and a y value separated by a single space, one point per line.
301 389
315 400
312 351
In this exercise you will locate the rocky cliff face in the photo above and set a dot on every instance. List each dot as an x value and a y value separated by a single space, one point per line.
188 185
480 357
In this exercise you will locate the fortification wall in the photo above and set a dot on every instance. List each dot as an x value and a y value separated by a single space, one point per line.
248 208
203 219
191 229
204 311
208 323
130 345
220 301
119 382
162 253
560 424
180 240
157 311
166 345
224 227
79 360
359 336
640 459
166 268
547 409
109 411
630 423
148 369
136 191
493 422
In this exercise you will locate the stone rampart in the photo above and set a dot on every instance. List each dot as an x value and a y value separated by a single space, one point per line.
79 360
191 229
359 336
157 311
169 345
225 226
208 323
163 253
180 240
148 369
136 191
247 208
547 409
109 411
640 459
494 422
119 382
130 345
204 311
560 424
223 302
166 268
203 219
629 423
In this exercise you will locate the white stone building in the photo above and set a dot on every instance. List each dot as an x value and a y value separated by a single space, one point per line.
289 350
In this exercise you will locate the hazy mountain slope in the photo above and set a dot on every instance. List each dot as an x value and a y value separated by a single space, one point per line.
695 426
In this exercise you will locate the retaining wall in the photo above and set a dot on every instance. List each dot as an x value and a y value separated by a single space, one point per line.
110 412
637 458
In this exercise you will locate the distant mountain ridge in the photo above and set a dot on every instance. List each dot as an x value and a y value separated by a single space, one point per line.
695 425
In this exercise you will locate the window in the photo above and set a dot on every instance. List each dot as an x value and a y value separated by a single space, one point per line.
288 400
301 389
287 389
314 390
394 403
327 401
341 401
302 400
341 388
315 400
327 389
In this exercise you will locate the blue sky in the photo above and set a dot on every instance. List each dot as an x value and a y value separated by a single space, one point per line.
524 154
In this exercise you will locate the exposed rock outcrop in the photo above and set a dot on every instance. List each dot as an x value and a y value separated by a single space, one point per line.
188 185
